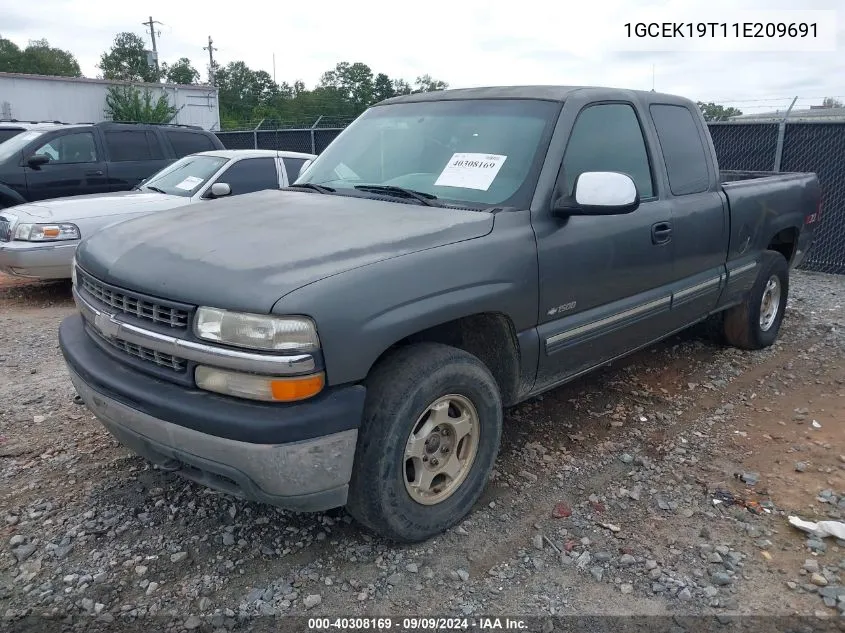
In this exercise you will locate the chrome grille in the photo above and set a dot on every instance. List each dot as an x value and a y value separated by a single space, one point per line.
129 303
145 353
5 229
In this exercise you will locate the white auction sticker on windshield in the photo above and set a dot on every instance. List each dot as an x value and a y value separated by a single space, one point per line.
189 183
471 171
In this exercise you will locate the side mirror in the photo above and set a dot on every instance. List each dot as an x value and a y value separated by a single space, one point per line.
36 160
220 190
600 193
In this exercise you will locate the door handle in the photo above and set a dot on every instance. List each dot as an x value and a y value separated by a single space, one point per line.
95 172
661 232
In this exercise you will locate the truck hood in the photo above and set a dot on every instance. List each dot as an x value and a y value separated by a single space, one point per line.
95 205
245 253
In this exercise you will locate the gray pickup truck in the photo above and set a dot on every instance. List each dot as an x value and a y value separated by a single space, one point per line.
352 339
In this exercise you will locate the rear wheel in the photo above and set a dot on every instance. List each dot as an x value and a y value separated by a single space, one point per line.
427 443
755 323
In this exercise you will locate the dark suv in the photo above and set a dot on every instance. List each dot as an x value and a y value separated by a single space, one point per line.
50 161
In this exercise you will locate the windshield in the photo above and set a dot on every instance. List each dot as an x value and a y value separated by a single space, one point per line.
15 144
185 176
484 152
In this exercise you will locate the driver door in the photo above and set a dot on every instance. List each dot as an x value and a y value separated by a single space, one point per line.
76 167
603 279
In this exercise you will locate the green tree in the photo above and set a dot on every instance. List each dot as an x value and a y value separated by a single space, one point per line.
127 60
353 81
831 102
715 112
401 87
426 83
130 103
182 72
243 91
10 56
38 58
382 88
248 96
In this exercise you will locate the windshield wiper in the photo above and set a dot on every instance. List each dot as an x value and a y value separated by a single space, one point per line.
312 187
423 198
156 189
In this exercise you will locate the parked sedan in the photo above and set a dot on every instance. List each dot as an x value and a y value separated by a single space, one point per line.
38 240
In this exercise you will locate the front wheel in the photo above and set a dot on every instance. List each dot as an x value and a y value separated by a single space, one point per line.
755 323
427 443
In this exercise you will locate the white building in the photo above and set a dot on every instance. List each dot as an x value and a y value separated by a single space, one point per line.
80 100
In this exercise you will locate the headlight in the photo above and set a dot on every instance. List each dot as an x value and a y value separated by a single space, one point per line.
46 232
256 331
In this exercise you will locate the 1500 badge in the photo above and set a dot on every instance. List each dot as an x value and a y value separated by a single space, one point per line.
566 307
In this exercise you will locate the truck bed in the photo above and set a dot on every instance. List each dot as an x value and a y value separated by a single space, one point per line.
734 175
765 203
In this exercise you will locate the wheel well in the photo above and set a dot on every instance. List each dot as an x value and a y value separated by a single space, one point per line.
491 337
784 243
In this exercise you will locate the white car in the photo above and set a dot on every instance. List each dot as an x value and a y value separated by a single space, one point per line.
39 239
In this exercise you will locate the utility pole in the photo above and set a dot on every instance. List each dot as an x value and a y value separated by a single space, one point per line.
210 48
151 25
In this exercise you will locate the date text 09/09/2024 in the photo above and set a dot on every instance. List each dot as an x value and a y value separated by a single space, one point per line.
414 624
721 29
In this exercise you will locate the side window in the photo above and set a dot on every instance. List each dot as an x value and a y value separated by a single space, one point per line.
683 151
126 145
156 152
292 166
7 133
71 148
251 174
185 143
608 137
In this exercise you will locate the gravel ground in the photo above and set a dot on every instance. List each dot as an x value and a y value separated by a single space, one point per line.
658 486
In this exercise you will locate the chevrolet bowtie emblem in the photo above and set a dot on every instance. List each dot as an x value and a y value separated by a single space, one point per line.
106 325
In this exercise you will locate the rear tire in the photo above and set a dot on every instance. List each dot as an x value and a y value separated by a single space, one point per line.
755 323
427 443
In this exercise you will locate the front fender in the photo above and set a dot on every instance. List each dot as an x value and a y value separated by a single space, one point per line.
363 312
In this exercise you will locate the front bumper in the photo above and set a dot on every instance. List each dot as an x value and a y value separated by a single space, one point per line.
45 260
257 451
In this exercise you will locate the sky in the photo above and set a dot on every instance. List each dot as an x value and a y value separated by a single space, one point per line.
470 43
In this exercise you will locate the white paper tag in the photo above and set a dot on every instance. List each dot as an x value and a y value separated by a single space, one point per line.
471 171
189 183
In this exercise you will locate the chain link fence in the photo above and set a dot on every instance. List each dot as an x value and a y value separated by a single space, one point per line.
311 138
814 146
810 146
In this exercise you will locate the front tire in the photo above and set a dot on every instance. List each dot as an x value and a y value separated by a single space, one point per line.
755 323
428 441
